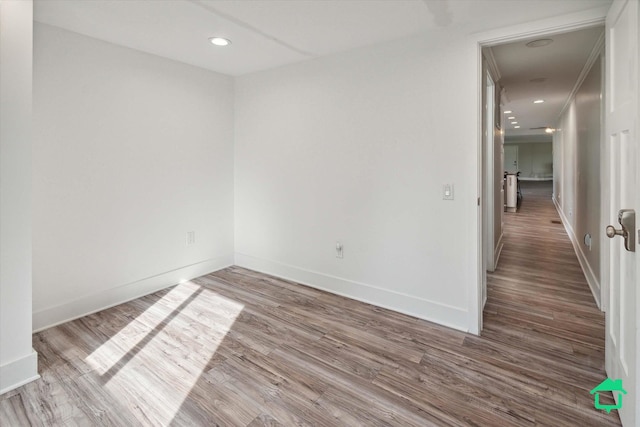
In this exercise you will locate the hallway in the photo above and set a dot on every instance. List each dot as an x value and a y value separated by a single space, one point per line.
540 308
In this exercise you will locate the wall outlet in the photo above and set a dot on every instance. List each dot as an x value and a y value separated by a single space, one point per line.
191 238
339 250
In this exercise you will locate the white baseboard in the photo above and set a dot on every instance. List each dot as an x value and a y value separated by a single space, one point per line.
533 178
88 304
452 317
19 372
592 279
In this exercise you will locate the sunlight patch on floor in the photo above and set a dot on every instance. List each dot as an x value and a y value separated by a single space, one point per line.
148 365
109 353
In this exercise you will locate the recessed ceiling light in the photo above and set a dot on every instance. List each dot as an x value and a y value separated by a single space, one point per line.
220 41
511 117
549 130
516 127
538 101
540 43
514 123
508 112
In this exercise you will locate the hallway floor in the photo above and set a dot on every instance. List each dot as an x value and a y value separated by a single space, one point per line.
541 309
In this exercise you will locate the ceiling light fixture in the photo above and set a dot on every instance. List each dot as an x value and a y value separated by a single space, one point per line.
508 112
511 117
538 101
514 123
539 42
516 127
549 130
220 41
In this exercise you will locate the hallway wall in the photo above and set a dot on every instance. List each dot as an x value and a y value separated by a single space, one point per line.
577 146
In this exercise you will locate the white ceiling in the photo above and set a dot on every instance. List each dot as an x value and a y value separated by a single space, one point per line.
559 63
270 33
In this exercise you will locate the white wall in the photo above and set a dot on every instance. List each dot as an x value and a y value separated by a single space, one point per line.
577 172
131 151
356 148
18 362
535 160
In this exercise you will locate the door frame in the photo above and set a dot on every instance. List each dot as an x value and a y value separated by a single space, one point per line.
488 190
546 27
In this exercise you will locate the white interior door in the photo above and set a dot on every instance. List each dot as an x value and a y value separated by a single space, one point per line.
623 157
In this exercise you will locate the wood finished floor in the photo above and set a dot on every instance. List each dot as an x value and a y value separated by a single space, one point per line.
239 348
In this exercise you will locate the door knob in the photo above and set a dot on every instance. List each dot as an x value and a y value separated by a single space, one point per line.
627 219
612 232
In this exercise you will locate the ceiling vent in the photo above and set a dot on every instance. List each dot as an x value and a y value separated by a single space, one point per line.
539 42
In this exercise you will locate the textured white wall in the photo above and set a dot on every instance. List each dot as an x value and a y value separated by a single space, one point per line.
131 151
18 362
356 148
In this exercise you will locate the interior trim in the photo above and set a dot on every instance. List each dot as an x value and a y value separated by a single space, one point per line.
103 299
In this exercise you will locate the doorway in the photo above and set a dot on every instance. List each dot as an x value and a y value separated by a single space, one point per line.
538 105
619 276
511 158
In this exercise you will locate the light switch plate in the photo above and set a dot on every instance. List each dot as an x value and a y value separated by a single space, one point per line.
191 238
447 192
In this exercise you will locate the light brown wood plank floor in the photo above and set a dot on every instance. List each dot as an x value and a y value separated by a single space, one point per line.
239 348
